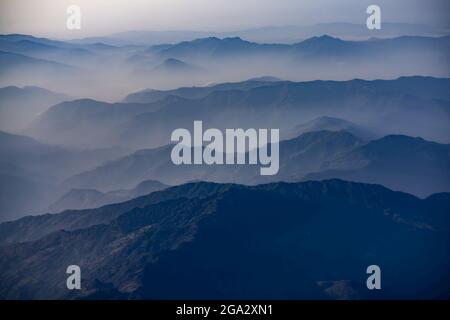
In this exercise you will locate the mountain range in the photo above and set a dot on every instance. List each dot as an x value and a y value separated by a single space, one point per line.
204 240
86 176
269 34
81 66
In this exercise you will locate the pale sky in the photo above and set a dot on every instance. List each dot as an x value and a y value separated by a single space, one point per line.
103 17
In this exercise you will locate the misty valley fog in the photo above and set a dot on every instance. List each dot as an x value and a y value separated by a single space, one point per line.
79 117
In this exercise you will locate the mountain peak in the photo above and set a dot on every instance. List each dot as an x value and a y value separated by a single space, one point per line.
173 62
320 40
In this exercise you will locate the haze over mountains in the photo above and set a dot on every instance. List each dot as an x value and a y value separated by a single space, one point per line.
385 106
86 175
83 67
344 114
399 162
31 172
21 105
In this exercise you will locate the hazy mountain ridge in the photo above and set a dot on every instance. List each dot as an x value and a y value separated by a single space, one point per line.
330 124
151 95
312 155
92 118
313 48
10 62
19 106
77 199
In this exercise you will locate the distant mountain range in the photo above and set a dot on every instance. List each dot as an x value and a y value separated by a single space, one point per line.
270 34
277 241
82 66
314 48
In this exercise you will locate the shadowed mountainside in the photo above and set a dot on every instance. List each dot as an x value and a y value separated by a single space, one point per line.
269 241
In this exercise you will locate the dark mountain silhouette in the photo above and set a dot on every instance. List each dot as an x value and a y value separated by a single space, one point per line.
399 162
90 198
31 228
278 241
